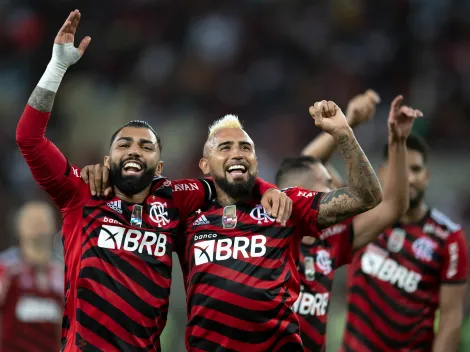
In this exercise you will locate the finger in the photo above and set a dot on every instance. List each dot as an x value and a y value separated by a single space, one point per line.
407 111
65 27
396 102
316 113
372 95
105 178
75 21
275 206
83 45
98 181
393 128
92 181
84 174
288 212
108 191
265 202
282 206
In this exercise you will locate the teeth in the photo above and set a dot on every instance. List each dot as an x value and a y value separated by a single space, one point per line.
133 165
236 167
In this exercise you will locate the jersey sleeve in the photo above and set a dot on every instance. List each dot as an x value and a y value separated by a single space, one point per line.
455 259
191 194
261 186
305 208
49 167
340 239
4 285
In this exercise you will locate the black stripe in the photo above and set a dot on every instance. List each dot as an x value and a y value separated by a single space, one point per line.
291 329
206 345
84 345
65 322
127 295
310 344
123 267
103 332
361 338
119 317
351 232
209 188
67 169
316 200
457 282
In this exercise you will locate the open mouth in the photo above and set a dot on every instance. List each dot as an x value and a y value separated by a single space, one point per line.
237 170
132 167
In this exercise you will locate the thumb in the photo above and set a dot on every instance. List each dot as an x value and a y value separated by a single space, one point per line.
83 45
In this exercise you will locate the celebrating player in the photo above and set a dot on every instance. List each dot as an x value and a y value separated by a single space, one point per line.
118 250
240 266
319 258
31 285
414 268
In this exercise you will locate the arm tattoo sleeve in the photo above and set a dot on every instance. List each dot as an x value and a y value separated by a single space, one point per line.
363 191
42 99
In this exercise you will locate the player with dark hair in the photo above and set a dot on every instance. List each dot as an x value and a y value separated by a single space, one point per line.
240 266
319 258
118 249
31 284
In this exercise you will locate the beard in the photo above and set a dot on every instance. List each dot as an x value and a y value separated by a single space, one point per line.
130 185
236 189
416 201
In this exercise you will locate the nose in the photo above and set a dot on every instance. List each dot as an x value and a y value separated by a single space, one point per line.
411 177
134 150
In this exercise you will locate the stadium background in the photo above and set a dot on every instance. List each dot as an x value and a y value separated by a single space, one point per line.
181 64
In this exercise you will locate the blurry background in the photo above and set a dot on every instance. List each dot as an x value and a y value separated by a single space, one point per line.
181 64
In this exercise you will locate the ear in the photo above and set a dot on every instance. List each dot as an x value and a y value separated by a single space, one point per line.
107 162
204 166
159 169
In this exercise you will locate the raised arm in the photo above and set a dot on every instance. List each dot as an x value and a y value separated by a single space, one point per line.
48 165
360 109
367 226
363 191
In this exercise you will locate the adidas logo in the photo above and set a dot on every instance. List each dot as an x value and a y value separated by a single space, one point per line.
202 220
115 205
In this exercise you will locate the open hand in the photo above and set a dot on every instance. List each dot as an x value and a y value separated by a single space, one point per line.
401 119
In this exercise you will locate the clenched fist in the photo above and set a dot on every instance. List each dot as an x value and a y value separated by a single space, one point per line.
329 117
362 108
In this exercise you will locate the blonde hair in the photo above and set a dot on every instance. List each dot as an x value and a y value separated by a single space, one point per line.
228 121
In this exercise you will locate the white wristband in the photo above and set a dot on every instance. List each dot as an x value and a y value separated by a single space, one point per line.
52 77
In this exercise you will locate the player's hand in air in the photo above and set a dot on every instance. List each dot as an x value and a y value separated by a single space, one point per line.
329 117
65 54
277 204
97 176
400 119
362 108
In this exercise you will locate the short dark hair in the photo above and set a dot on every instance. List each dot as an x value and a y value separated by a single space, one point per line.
413 142
137 124
297 164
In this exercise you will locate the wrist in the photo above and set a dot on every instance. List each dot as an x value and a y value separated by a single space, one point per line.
53 75
341 132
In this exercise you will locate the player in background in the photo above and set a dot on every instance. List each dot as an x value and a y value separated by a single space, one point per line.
117 249
415 267
241 266
31 285
319 258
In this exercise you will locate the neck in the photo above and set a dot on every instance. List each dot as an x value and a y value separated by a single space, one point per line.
36 256
224 199
135 198
414 215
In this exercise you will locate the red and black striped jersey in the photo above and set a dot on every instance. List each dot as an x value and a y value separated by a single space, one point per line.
394 285
241 277
31 301
317 265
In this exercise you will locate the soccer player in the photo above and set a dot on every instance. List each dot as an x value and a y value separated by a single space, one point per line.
240 267
319 258
118 250
31 285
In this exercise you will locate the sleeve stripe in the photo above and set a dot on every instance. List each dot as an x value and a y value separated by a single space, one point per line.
316 200
456 282
351 232
67 169
208 189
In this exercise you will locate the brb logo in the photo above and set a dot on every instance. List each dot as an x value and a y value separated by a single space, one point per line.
260 215
311 303
158 214
131 240
219 250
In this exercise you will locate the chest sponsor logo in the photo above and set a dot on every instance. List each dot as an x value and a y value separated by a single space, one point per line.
312 303
158 214
131 240
38 310
259 214
423 248
376 263
396 240
222 249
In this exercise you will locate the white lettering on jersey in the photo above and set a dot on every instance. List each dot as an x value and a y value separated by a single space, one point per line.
75 172
158 214
223 249
185 187
305 194
377 264
453 259
115 237
260 215
332 230
38 310
111 221
314 304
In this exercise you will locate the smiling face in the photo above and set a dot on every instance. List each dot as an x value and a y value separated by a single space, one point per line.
230 159
134 160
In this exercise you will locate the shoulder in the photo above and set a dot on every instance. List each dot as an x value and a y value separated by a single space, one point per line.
441 225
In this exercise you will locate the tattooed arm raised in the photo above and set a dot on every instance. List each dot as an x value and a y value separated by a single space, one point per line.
363 191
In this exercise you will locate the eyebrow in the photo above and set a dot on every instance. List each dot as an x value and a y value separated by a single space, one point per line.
130 139
231 143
